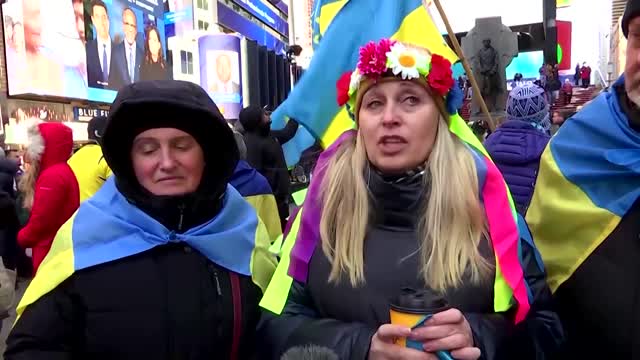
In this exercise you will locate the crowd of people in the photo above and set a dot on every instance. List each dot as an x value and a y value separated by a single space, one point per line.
170 234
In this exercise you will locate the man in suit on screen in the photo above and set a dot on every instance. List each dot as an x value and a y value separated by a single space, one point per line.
99 50
127 55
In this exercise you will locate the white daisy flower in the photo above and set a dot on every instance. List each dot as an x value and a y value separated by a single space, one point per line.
405 61
355 82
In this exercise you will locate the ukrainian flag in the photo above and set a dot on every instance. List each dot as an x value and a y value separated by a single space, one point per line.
588 180
235 239
344 26
256 190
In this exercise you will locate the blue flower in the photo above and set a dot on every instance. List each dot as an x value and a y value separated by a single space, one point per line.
454 99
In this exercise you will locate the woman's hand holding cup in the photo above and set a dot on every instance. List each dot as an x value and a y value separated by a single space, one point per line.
383 347
448 331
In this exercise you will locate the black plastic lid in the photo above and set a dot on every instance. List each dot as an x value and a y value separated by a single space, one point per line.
414 301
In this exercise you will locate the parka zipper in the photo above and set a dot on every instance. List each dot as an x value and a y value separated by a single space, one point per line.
181 207
218 288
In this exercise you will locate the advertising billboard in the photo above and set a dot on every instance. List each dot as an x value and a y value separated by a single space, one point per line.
83 49
220 72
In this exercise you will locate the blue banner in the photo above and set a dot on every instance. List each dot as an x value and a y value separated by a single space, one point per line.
260 10
236 22
220 73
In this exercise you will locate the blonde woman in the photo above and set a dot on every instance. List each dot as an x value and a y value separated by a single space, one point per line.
409 200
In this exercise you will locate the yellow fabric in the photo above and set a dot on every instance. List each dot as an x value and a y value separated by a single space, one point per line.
56 267
327 13
273 299
418 29
267 209
90 169
276 247
561 218
263 263
341 123
299 196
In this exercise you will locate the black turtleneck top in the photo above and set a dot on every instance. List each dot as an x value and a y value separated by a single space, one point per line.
392 259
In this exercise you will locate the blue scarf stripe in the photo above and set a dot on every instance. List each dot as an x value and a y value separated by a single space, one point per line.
107 228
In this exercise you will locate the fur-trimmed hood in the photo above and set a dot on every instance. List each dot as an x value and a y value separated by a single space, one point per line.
49 144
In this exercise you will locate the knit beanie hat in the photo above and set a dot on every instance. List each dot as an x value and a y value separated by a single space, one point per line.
527 103
632 11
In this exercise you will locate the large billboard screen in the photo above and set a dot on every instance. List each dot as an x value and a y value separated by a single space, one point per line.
83 49
220 73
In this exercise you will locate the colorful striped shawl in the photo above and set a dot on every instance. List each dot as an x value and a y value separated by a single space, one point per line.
505 230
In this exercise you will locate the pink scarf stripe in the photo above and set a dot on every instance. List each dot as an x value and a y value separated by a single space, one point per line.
505 237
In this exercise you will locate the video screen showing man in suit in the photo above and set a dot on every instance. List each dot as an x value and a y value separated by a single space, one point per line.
99 50
128 54
224 83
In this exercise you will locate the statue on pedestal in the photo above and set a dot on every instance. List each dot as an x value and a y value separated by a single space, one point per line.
488 68
490 46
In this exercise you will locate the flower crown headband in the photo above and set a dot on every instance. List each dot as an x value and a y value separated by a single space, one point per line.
387 55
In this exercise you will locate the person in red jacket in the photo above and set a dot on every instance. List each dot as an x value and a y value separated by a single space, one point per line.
50 188
585 75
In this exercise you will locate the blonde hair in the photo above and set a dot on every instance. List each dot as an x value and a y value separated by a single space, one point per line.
27 184
450 228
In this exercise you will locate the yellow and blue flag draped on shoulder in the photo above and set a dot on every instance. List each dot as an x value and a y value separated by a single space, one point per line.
588 180
346 25
107 228
256 190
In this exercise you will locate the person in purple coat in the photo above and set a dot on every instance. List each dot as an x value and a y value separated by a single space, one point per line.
517 145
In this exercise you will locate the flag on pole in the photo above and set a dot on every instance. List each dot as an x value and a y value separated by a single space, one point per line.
343 27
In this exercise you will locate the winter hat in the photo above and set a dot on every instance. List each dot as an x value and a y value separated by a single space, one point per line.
96 127
251 117
527 103
632 11
49 143
182 105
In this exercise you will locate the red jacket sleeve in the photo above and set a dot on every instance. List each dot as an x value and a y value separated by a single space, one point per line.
44 221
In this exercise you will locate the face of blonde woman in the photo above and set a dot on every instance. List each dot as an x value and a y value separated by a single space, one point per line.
398 121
